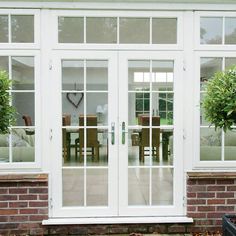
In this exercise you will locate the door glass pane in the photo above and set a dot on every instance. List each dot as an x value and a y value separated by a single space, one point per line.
23 73
97 75
210 144
70 29
101 30
23 143
22 29
208 68
230 30
229 62
73 187
97 187
24 104
4 63
3 29
230 145
164 30
138 186
134 30
163 75
211 30
162 182
4 148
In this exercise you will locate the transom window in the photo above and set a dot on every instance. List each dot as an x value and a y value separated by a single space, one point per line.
113 30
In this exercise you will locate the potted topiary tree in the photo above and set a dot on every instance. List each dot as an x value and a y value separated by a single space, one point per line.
7 112
219 103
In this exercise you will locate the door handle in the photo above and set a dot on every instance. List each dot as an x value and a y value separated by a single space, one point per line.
123 133
112 133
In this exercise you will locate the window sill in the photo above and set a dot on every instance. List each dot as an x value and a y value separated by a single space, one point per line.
117 220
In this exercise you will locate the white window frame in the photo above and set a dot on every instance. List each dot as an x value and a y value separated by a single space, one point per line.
37 109
36 43
211 47
117 46
196 136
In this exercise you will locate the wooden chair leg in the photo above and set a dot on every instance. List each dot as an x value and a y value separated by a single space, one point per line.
80 153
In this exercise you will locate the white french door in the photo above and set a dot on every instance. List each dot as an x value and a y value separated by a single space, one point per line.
118 123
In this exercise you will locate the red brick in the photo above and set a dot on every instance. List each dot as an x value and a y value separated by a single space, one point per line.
43 197
225 195
176 229
3 190
206 181
4 219
3 204
215 214
197 214
28 197
43 211
38 204
196 201
206 208
215 201
215 188
7 184
225 181
18 190
18 204
28 211
225 208
231 201
205 195
29 225
18 218
38 190
8 197
231 188
191 195
191 181
204 222
38 217
196 188
191 208
38 231
8 211
9 226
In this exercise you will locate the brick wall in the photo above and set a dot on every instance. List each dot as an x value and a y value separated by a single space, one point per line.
209 196
23 204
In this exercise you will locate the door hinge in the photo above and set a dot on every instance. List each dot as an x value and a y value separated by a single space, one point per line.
50 65
50 134
50 203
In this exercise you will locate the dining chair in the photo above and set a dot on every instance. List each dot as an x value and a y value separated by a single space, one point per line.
66 121
145 137
92 143
28 122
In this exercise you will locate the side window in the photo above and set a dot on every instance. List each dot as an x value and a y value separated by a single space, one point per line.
215 145
19 145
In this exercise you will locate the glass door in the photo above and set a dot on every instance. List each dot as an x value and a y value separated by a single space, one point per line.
84 181
151 134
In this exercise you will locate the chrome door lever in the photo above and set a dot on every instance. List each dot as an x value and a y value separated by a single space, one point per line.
123 133
113 133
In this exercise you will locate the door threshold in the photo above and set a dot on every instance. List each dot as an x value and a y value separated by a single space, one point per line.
117 220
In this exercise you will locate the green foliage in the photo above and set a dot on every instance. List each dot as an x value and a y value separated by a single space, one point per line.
7 112
220 99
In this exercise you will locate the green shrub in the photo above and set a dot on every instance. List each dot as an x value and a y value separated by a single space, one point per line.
220 99
7 112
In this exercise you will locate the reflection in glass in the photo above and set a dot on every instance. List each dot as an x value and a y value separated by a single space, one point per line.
23 73
4 63
4 148
22 29
70 29
97 187
163 75
97 75
230 145
164 30
101 30
134 30
230 30
23 143
229 62
138 186
208 68
211 30
73 75
73 187
3 29
24 104
162 186
210 144
139 75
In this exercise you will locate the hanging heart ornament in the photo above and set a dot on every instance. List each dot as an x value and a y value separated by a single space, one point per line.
75 98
